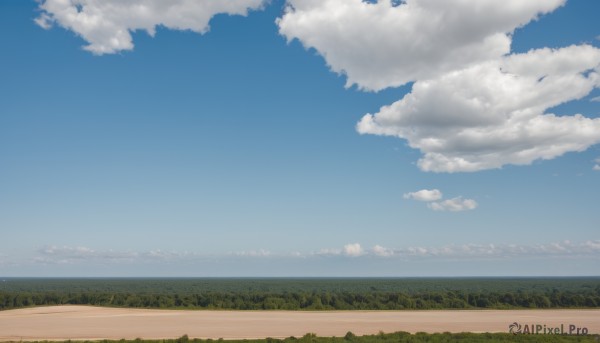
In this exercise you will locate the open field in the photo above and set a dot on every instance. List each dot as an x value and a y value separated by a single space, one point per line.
89 323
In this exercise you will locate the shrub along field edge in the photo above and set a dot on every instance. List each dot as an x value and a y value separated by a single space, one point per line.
379 338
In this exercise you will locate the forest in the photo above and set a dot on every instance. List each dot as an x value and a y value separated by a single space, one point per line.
305 293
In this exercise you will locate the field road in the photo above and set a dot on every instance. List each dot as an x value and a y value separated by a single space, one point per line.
92 323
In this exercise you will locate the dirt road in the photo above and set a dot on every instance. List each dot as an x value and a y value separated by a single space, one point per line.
86 322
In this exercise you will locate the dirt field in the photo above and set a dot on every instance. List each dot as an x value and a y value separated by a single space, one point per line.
86 322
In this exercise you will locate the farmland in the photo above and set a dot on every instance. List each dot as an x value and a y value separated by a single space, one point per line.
97 323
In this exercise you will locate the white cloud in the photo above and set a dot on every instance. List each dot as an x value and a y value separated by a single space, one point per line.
378 250
328 252
69 255
432 196
254 253
596 99
493 113
590 248
597 165
82 255
86 256
473 106
454 205
424 195
353 250
107 24
380 45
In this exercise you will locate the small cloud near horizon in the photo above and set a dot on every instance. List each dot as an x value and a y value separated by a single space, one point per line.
353 250
454 205
54 255
597 164
432 196
424 195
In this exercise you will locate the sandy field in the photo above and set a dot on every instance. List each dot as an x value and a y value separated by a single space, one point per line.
87 322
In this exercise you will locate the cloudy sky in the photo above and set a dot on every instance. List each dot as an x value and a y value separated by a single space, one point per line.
299 138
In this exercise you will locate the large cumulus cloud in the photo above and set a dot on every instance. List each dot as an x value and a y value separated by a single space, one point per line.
385 44
495 113
473 106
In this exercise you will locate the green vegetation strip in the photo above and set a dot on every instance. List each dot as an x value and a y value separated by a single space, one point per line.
305 294
383 338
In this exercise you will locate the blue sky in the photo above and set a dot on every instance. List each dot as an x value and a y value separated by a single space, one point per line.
243 150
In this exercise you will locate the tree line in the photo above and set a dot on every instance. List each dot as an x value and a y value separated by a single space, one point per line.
283 285
310 300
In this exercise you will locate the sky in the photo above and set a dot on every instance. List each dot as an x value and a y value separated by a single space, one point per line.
299 138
